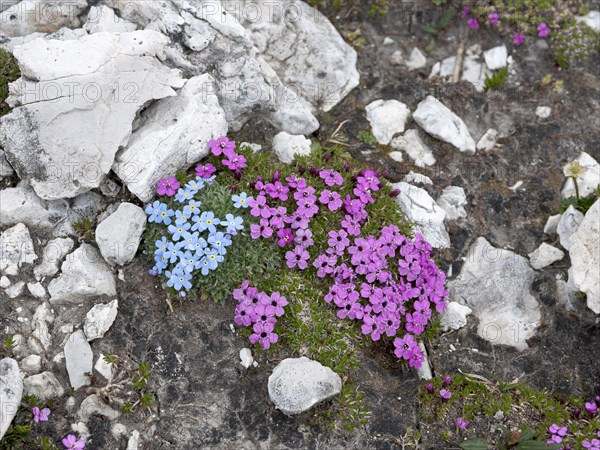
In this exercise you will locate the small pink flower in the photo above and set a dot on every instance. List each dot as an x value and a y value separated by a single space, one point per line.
71 443
40 415
462 423
494 18
518 39
473 24
543 30
465 12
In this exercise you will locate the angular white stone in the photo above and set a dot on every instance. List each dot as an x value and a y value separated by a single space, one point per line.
31 16
416 60
414 147
11 392
545 255
43 385
473 71
592 20
36 289
31 364
104 368
387 118
4 282
488 140
396 156
388 41
172 134
42 318
454 317
52 255
567 225
287 146
6 169
585 257
119 235
397 58
78 358
426 215
89 110
417 178
551 224
437 120
246 358
15 289
16 249
134 440
84 274
94 405
99 319
297 384
453 200
543 112
102 18
424 371
495 284
495 58
588 182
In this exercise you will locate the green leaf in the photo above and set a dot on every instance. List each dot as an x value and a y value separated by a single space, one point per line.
537 445
430 46
474 444
446 18
429 29
527 435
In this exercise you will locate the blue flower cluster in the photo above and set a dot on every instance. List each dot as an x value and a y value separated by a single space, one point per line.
197 239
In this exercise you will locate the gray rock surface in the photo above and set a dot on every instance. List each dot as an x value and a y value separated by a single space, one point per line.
46 16
415 148
85 274
119 235
453 200
172 134
440 122
495 284
102 18
16 249
427 216
88 113
52 255
585 257
287 146
544 256
79 359
99 319
44 386
11 391
454 317
32 364
567 225
297 384
94 405
387 118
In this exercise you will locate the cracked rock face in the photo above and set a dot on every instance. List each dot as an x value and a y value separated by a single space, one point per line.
75 108
297 384
11 391
119 235
495 284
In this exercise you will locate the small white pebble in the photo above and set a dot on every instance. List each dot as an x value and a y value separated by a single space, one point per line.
543 112
255 364
452 347
516 186
232 328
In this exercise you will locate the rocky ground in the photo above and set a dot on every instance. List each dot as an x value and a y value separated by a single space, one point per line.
72 164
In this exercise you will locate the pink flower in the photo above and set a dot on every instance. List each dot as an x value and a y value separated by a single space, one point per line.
168 187
206 170
71 443
543 30
445 394
465 12
494 18
40 415
518 39
218 146
462 423
473 24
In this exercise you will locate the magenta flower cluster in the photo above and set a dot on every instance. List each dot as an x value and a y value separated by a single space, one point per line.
388 283
556 434
259 311
233 161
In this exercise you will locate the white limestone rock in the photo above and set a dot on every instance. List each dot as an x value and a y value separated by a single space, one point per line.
99 319
172 134
36 289
387 118
592 20
21 204
585 257
426 215
544 256
94 405
53 254
16 249
14 290
78 358
119 235
297 384
488 140
417 178
588 182
84 275
104 368
416 60
437 120
46 16
453 200
32 364
246 358
44 386
89 109
495 284
543 112
287 146
101 18
41 321
454 317
496 58
567 225
134 440
4 282
6 169
424 372
415 148
552 224
11 392
474 71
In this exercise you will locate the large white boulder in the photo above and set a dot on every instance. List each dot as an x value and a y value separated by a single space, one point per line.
84 275
440 122
427 216
75 107
495 284
585 257
172 134
119 235
297 384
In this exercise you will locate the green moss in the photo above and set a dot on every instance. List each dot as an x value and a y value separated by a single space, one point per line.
497 79
9 72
